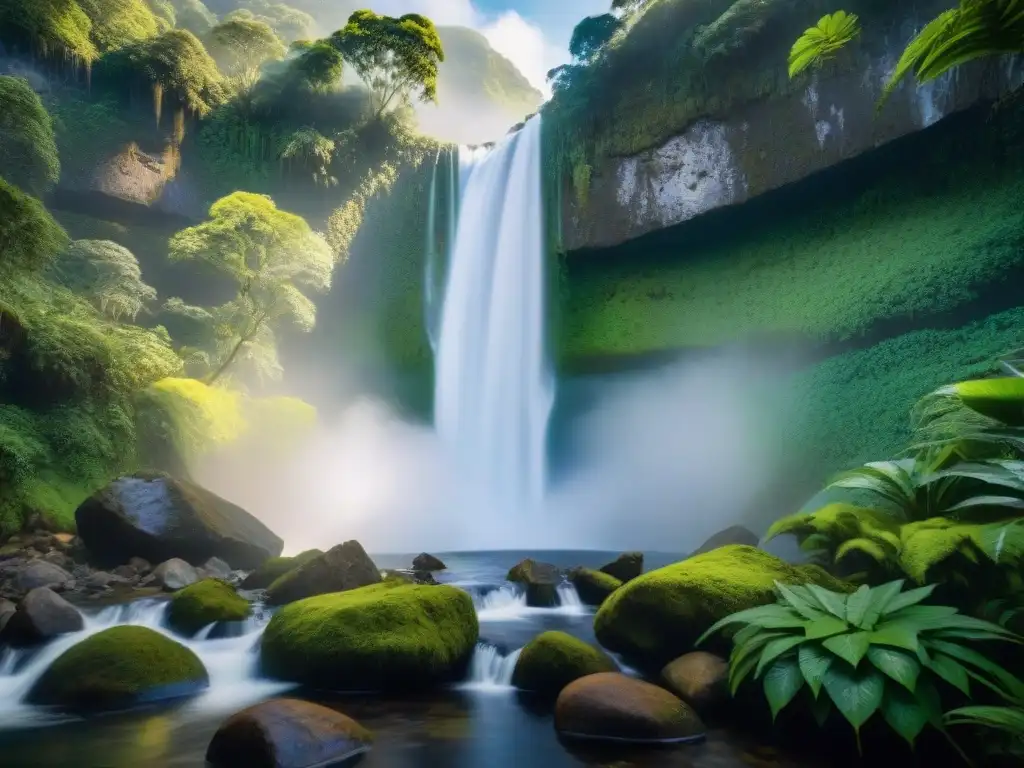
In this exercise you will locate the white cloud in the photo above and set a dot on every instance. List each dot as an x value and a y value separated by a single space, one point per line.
526 46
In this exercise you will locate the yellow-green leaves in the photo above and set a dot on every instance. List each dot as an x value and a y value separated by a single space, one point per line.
822 41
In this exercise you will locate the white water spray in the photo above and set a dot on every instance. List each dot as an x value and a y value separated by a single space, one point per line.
490 670
494 388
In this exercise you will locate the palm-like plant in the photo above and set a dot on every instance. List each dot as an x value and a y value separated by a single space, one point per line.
874 650
822 41
1006 721
972 30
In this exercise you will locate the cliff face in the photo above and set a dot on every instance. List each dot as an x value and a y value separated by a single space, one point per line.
749 149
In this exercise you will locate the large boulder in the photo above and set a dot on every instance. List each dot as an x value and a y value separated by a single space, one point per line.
700 679
552 660
659 616
388 636
276 567
626 566
287 733
158 517
735 534
41 573
346 566
7 609
174 574
593 587
204 603
427 562
618 708
41 616
118 668
541 581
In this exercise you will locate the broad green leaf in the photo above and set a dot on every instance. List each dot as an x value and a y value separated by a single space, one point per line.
897 664
850 648
928 697
880 599
904 713
746 634
738 672
833 602
821 708
801 600
857 605
1001 399
775 649
781 683
825 627
971 624
857 693
908 598
814 663
901 634
950 670
752 648
767 616
924 616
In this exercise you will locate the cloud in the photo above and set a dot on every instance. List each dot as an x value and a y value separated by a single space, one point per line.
526 46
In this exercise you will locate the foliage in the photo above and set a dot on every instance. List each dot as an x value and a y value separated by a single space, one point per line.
876 650
194 16
289 23
29 237
314 151
116 23
822 41
1007 722
592 34
271 255
318 67
106 274
345 222
972 30
397 59
49 27
244 46
28 151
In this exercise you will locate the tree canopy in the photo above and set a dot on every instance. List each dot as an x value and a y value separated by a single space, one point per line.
48 27
243 45
28 152
592 34
318 65
194 16
106 274
29 236
116 23
397 59
290 24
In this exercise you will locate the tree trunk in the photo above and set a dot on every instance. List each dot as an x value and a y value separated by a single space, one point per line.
227 361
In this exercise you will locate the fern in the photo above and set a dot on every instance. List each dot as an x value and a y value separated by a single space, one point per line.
822 41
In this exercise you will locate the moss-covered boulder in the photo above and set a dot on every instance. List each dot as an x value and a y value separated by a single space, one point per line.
203 603
552 660
276 567
541 581
388 636
626 566
592 586
659 616
158 517
344 567
118 668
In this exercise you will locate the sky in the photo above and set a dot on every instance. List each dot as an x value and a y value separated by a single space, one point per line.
533 34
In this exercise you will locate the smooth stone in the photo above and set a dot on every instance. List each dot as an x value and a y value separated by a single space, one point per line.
427 562
175 574
287 733
140 565
40 573
217 568
41 616
102 580
541 581
625 567
593 587
700 679
345 567
609 706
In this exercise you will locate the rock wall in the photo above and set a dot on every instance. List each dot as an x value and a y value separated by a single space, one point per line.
721 160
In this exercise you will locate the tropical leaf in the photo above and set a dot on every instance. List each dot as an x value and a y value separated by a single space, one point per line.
1004 683
950 670
801 600
850 648
825 627
904 712
899 634
896 664
740 671
857 693
1007 719
775 649
768 616
881 598
822 41
889 480
781 683
857 605
814 663
833 602
908 598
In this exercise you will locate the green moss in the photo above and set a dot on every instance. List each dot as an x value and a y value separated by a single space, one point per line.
276 567
592 586
203 603
657 617
552 660
389 636
117 668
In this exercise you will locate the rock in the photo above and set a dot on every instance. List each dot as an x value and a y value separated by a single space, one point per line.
62 561
736 534
593 587
155 516
552 660
217 568
410 577
140 565
541 581
125 572
287 733
700 679
40 573
175 574
276 567
425 562
659 616
625 567
41 616
7 609
618 708
101 580
118 668
389 636
346 566
204 603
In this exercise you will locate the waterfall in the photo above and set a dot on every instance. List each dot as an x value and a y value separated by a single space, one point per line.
490 670
494 388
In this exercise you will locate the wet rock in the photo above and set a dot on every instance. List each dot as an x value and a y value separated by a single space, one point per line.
541 581
53 557
216 568
276 567
39 573
615 707
100 580
126 572
625 567
736 534
346 566
140 565
204 603
7 609
593 587
155 516
287 733
410 577
426 562
41 616
700 679
175 574
552 660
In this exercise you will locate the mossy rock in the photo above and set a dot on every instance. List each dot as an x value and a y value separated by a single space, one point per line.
592 586
388 636
276 567
659 616
552 660
118 668
206 602
626 566
541 581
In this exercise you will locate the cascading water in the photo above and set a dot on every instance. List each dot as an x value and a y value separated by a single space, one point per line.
490 670
494 388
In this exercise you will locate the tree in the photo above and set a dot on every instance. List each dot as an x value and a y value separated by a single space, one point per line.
318 66
395 58
244 45
592 34
289 23
115 23
29 236
28 152
107 275
49 27
272 256
194 16
314 151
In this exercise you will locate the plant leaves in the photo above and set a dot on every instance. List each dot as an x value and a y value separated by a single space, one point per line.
925 616
814 663
738 672
904 712
833 602
857 605
880 599
857 693
801 600
768 616
775 649
821 708
781 683
825 627
850 648
950 670
908 598
901 634
896 664
1007 684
